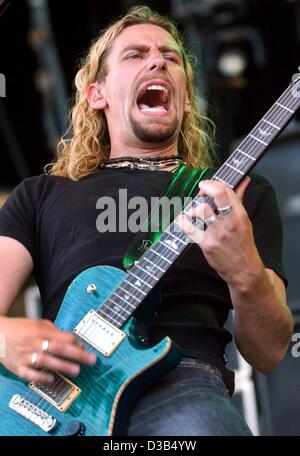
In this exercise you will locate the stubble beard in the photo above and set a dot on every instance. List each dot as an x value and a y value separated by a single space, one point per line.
156 132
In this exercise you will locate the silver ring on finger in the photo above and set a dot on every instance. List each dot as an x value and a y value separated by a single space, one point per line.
34 358
224 210
45 345
210 220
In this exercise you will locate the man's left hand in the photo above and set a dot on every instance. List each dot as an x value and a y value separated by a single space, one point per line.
228 242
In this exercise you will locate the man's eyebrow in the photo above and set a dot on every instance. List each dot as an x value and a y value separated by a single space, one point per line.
145 48
170 49
135 47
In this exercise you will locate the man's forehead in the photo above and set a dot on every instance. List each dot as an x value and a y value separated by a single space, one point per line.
144 34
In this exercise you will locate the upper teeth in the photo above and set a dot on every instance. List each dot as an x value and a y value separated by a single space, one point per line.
157 87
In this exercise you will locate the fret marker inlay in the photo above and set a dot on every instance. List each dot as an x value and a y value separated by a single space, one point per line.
171 244
237 162
263 132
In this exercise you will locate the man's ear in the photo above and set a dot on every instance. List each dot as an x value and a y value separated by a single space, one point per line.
95 96
187 106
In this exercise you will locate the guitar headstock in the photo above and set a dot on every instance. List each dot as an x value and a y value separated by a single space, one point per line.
296 84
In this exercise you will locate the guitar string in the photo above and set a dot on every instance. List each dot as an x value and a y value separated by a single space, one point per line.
279 116
248 140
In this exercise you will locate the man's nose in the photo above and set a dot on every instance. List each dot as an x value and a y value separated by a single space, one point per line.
157 62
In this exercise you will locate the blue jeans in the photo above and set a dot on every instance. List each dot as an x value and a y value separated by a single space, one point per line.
192 400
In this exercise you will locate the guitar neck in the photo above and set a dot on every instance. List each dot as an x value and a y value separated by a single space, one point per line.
251 149
155 262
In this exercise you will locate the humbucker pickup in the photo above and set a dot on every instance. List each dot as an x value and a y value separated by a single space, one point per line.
61 393
100 334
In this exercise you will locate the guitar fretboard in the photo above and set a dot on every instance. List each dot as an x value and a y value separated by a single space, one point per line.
155 262
246 155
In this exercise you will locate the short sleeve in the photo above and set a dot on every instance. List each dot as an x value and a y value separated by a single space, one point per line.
18 215
261 203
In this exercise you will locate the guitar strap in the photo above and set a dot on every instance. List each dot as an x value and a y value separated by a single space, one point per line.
183 183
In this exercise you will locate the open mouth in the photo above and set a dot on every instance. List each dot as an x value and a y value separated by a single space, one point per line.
154 98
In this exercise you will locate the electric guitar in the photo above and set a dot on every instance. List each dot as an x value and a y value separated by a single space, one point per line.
99 307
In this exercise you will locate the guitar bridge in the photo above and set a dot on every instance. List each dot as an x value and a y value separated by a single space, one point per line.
61 393
32 413
100 334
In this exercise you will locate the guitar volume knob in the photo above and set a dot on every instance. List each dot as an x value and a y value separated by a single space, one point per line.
75 428
91 288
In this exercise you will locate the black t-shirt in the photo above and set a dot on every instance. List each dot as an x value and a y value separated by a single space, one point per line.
55 219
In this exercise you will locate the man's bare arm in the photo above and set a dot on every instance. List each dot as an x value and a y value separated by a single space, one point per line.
23 336
15 268
263 324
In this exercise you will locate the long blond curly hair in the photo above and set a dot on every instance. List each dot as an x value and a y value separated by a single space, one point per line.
86 143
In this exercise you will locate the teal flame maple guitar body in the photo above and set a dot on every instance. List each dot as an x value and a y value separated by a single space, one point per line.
108 389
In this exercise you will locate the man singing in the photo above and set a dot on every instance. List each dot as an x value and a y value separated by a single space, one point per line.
134 121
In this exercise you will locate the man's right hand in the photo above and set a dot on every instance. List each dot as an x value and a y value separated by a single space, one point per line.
25 343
